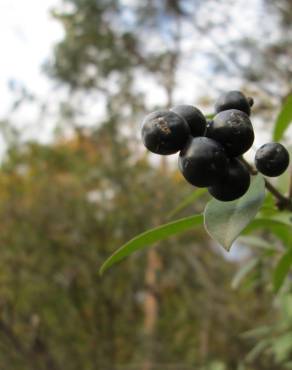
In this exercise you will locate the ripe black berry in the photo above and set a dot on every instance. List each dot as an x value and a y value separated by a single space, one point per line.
194 117
233 129
272 159
164 132
233 100
202 161
234 184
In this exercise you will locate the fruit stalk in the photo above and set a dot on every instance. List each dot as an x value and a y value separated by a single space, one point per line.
283 203
290 185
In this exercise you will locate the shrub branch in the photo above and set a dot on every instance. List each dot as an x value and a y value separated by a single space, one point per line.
282 202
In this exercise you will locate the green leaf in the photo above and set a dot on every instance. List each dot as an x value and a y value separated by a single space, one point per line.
150 237
255 241
224 221
243 271
265 223
210 115
258 332
286 307
281 347
284 217
187 201
258 349
282 269
277 227
284 119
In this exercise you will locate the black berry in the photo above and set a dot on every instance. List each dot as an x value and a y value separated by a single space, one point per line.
202 161
233 100
164 132
194 117
233 129
234 184
272 159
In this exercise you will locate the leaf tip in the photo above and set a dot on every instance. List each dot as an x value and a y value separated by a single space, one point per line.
227 247
102 269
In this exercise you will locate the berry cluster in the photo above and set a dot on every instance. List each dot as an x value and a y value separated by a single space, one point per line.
211 150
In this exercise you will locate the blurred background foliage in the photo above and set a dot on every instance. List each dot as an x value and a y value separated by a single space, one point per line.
66 205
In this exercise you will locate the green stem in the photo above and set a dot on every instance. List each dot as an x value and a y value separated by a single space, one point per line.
290 185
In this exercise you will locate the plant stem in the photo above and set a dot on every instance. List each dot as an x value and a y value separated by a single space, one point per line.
290 185
282 201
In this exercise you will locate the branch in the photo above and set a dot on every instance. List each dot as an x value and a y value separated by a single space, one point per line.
283 203
290 185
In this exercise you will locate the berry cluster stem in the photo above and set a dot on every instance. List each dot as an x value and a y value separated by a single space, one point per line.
282 202
290 185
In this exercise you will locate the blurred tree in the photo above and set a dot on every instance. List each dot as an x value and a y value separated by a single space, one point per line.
117 40
102 51
108 48
63 209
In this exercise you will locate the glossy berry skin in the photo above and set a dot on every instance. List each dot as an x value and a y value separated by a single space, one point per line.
233 129
202 161
194 118
164 132
233 100
272 159
234 185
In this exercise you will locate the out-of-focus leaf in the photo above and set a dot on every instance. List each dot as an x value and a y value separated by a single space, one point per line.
150 237
286 306
288 365
224 221
282 270
283 120
255 241
280 229
257 332
284 217
187 201
243 271
282 347
265 223
268 208
257 350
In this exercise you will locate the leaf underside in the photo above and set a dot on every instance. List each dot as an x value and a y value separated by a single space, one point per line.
224 221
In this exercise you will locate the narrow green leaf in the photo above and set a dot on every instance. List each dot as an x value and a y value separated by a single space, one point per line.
224 221
255 241
281 347
187 201
265 223
282 270
280 229
150 237
243 271
283 120
284 217
258 349
258 332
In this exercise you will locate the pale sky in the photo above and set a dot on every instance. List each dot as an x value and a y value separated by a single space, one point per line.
27 33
